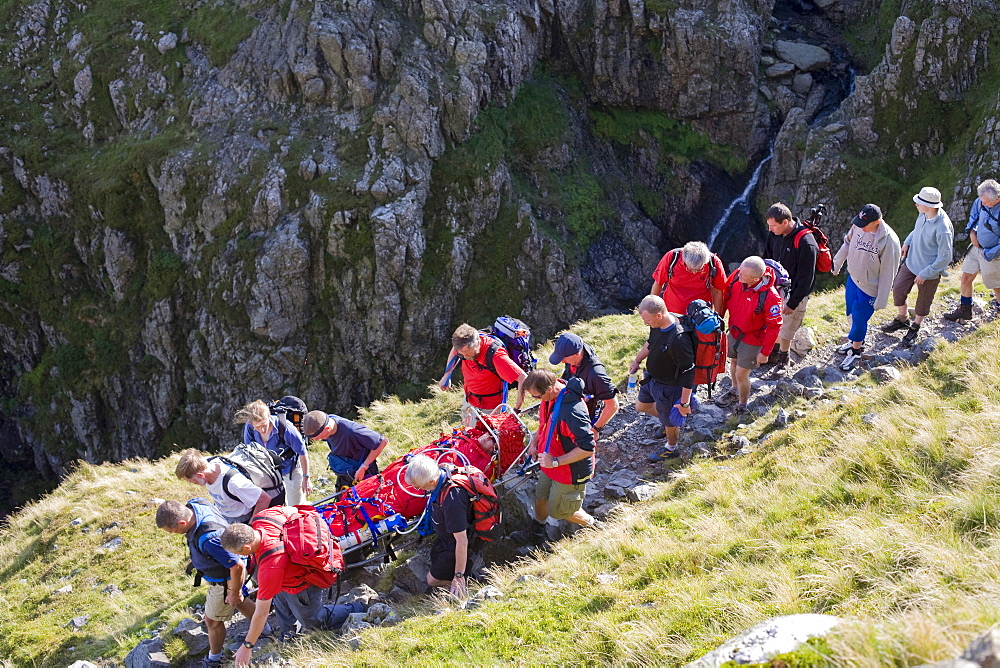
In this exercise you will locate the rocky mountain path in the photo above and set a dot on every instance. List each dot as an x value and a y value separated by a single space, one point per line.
625 472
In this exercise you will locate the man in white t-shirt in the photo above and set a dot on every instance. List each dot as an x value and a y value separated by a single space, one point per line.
236 497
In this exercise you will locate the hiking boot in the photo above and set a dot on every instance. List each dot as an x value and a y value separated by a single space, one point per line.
663 455
853 357
779 358
895 325
742 411
726 398
533 535
774 356
211 663
961 312
910 336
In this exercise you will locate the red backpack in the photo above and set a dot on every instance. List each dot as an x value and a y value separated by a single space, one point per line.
486 511
824 258
307 541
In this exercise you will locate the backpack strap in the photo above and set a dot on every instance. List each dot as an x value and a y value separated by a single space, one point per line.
712 271
553 420
798 236
278 547
226 477
675 255
761 298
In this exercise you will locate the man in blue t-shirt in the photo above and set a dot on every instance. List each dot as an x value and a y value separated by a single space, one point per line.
353 447
202 524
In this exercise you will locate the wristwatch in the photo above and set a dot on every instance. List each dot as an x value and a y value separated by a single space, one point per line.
459 574
555 462
247 644
687 405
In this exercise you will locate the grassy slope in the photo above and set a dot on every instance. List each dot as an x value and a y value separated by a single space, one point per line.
892 523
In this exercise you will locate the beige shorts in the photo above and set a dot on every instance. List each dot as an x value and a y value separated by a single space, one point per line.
975 263
215 604
791 323
564 500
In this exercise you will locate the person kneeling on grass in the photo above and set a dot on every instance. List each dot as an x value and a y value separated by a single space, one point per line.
202 525
564 448
665 392
293 588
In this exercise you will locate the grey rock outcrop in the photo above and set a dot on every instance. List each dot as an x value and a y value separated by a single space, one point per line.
764 641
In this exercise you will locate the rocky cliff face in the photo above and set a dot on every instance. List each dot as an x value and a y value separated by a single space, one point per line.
204 206
200 206
922 116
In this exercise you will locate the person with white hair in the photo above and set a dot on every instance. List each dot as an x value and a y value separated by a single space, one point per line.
689 273
984 236
926 254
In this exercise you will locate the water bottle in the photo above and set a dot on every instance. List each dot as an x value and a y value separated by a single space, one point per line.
632 382
392 523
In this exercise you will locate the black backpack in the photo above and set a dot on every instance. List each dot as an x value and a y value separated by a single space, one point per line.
289 408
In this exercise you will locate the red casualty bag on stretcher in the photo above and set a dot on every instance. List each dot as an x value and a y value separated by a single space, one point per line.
387 493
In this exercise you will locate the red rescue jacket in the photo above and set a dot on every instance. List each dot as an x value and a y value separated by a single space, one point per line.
754 311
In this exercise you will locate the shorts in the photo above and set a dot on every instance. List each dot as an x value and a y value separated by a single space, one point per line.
975 263
663 397
744 354
216 607
564 500
442 561
791 323
901 286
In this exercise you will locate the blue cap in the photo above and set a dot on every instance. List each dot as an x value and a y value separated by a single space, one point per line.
567 344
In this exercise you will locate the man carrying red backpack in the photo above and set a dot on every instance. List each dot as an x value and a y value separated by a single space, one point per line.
466 503
793 245
296 559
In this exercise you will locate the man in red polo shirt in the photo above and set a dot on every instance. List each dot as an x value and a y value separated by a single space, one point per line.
689 273
293 588
564 447
486 367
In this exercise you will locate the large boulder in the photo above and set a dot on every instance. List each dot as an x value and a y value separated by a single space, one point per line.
805 57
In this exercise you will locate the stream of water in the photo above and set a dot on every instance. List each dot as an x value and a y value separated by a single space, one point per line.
742 201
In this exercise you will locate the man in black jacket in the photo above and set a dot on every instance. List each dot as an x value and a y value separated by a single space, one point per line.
581 362
666 389
791 244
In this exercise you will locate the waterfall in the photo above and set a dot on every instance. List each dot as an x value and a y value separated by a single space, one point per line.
742 201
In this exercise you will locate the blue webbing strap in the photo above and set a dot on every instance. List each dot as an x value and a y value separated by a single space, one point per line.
426 526
553 420
451 367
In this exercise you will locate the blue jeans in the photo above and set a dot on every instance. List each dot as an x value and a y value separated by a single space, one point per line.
308 609
861 307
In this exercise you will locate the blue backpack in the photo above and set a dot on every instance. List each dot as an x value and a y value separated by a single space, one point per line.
515 337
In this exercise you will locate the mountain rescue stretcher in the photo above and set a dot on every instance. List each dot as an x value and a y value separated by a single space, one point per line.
368 518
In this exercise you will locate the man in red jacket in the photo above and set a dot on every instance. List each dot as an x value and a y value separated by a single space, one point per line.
564 448
486 367
754 308
689 273
294 588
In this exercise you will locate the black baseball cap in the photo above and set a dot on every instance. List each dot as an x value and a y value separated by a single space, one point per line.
869 214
